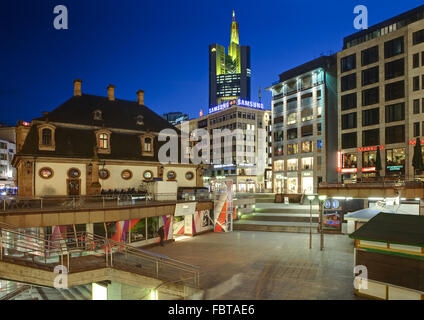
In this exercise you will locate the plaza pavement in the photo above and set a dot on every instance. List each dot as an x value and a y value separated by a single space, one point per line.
273 266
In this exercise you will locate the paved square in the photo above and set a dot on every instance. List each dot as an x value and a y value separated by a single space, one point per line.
272 265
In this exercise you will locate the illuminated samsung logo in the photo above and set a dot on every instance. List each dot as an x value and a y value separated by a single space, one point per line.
238 102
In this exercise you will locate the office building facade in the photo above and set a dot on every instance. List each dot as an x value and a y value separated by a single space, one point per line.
304 112
229 73
381 98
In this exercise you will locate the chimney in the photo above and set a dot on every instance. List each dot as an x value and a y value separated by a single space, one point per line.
111 92
77 87
140 97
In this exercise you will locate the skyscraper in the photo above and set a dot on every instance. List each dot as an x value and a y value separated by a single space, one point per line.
229 74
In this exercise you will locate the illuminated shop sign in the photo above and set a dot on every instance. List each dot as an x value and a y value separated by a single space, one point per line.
370 148
372 169
394 168
339 165
238 102
348 170
414 142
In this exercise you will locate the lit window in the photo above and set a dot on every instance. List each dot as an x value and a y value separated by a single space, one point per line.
148 144
103 141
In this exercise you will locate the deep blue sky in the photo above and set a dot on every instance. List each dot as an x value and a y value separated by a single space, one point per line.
160 47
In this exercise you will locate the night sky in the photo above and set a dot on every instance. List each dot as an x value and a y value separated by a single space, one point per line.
160 47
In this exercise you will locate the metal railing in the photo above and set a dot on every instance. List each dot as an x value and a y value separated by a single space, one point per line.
64 249
93 202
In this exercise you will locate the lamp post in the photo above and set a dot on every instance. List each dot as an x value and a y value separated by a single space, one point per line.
310 198
321 198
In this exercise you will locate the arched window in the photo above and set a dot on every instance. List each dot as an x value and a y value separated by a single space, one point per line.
148 144
103 141
46 137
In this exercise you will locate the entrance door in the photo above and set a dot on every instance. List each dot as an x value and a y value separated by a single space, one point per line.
74 187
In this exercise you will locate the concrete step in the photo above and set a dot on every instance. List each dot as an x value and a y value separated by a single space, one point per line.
285 210
280 217
269 226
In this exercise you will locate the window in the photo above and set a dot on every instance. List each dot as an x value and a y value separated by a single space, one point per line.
395 90
307 147
292 149
416 60
418 37
422 59
349 140
307 163
371 138
279 165
46 173
395 112
349 121
369 56
348 82
291 119
348 101
104 174
171 175
140 120
416 83
292 104
395 69
292 165
307 131
370 76
370 96
103 139
369 159
348 63
189 175
97 115
395 134
278 136
393 47
307 114
416 129
370 117
350 160
148 175
148 144
74 173
292 134
395 157
126 174
416 106
47 137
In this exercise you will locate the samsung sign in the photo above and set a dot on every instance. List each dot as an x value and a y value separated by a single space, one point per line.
238 102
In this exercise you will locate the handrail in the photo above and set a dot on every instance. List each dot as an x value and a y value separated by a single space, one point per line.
83 241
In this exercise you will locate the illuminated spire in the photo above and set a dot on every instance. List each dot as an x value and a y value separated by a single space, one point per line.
233 50
234 15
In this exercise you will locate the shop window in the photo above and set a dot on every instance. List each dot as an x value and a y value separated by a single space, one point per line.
152 227
307 163
279 165
292 165
350 160
138 231
369 159
395 160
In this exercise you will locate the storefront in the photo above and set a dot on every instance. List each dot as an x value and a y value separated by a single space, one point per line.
308 182
395 162
347 164
292 182
279 180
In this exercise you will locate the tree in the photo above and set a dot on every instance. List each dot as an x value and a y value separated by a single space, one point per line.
378 166
417 160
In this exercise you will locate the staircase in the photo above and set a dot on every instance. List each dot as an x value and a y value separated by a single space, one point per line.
278 217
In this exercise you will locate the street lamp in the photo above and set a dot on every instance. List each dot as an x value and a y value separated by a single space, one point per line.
310 198
322 198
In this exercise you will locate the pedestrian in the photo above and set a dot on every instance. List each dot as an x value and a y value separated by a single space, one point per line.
161 235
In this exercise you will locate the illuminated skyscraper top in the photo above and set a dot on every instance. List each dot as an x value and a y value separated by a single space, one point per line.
229 74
